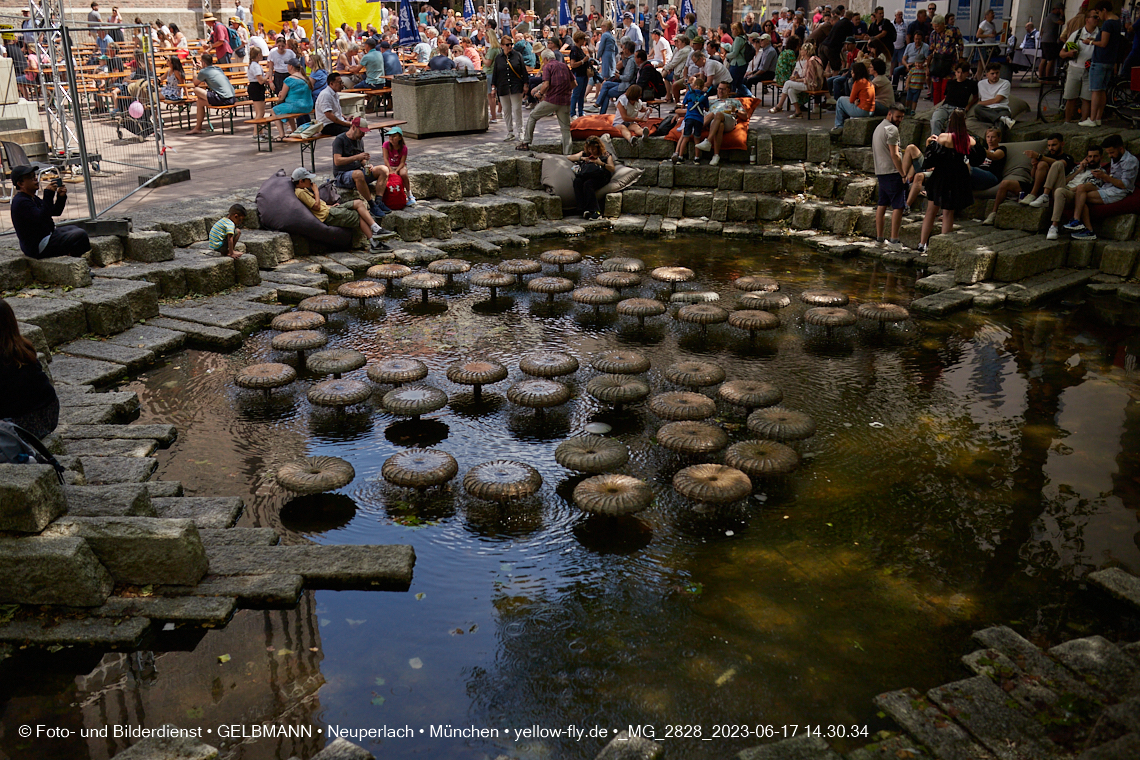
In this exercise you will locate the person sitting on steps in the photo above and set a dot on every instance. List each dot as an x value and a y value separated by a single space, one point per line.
1065 195
32 217
353 214
351 169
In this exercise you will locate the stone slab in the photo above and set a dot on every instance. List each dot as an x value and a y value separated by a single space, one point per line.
1032 660
239 536
275 590
206 511
61 319
134 359
111 470
231 316
377 567
201 336
110 300
155 339
149 246
1040 287
141 550
1101 664
1019 260
1122 585
164 488
124 500
73 370
933 728
935 283
30 497
799 748
945 302
207 610
63 271
164 434
51 570
97 633
983 709
1127 747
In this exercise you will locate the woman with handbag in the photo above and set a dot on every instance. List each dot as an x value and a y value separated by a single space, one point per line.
510 78
594 171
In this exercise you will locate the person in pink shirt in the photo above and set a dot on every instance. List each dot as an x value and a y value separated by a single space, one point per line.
396 159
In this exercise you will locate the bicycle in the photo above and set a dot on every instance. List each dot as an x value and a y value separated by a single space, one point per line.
1051 102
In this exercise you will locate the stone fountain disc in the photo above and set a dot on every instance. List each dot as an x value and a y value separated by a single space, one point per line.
335 361
492 280
297 320
501 481
397 371
560 256
763 301
621 362
682 405
640 307
267 375
701 314
424 281
695 296
755 283
617 389
618 279
761 459
298 340
548 364
315 475
692 437
538 393
414 400
520 266
753 319
388 271
342 392
694 374
623 264
594 295
324 304
750 394
779 424
362 289
672 274
827 316
477 372
449 266
549 285
883 312
419 468
823 298
712 483
613 495
591 453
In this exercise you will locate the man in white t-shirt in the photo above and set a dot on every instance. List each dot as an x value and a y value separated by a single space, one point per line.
889 172
993 98
659 51
715 72
259 42
423 48
328 111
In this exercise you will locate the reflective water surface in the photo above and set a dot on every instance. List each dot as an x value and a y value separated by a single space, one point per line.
967 472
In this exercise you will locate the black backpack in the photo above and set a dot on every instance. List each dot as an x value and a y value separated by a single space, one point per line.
18 446
749 52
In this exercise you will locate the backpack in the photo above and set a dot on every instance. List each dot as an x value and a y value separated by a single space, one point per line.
749 53
18 446
394 195
235 40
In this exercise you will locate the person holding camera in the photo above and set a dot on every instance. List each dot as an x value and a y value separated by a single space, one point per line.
32 218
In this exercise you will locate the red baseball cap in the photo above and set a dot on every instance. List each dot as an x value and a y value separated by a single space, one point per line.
360 124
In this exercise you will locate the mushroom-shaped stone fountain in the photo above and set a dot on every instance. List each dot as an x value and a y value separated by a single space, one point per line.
753 320
502 481
690 437
449 268
695 296
591 453
672 275
621 361
883 313
596 296
551 286
326 304
682 405
538 393
388 272
823 298
265 377
640 308
335 361
548 364
612 495
492 280
519 267
560 257
762 459
779 424
712 483
762 301
618 280
424 282
297 320
419 468
477 373
755 283
362 290
750 394
414 400
339 393
299 341
623 264
694 374
829 317
397 371
315 475
617 390
703 314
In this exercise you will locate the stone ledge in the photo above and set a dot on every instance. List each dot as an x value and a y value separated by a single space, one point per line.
257 591
323 567
1122 585
99 633
209 610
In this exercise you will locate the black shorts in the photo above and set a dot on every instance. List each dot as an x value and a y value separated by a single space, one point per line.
892 191
215 99
256 92
1051 51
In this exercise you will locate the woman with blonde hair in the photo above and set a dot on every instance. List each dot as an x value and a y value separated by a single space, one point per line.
492 52
808 75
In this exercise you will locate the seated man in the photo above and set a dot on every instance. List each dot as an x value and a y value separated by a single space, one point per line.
762 67
371 66
721 118
1105 187
1066 194
32 218
441 58
1049 168
916 52
351 167
648 77
993 98
214 90
226 232
328 110
339 215
961 93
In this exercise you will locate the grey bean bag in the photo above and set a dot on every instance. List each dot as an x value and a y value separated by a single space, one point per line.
280 210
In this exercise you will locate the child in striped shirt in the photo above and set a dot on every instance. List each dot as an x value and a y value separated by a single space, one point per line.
225 233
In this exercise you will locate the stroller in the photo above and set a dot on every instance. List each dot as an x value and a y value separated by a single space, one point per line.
142 127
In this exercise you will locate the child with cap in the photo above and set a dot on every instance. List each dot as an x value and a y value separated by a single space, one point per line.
337 215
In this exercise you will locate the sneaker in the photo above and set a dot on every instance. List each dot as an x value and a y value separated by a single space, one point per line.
714 160
379 245
635 142
1007 121
509 138
1086 123
894 244
991 218
608 142
411 199
377 212
921 248
704 145
1074 225
675 158
1028 200
375 228
1053 233
1084 235
695 162
1041 201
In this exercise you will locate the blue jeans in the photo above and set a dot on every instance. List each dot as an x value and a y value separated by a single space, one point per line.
737 74
578 97
839 85
609 90
899 73
844 111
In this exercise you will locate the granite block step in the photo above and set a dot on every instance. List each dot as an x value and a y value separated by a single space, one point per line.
192 610
95 632
111 470
934 729
1124 586
125 403
387 568
154 339
73 370
160 488
61 319
201 336
239 537
124 500
164 434
241 317
276 590
134 359
1034 289
1033 661
1101 664
99 414
112 447
942 303
985 711
206 511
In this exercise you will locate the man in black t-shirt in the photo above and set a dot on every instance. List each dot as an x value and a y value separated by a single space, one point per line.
352 168
881 34
581 20
842 29
961 92
1049 169
920 24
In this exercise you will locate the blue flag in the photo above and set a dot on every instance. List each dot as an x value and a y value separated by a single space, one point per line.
409 34
686 8
468 10
564 17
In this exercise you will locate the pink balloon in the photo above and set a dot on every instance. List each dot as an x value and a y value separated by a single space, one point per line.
136 110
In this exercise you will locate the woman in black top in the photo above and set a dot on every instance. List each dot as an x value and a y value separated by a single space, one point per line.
28 398
509 76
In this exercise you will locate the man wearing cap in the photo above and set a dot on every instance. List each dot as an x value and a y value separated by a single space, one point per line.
762 67
659 50
212 88
219 40
351 169
32 218
340 215
631 32
392 65
328 110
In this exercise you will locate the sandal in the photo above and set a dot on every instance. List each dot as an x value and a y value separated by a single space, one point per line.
773 109
522 146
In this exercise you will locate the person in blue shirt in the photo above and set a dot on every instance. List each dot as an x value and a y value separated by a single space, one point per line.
607 50
392 64
694 106
32 218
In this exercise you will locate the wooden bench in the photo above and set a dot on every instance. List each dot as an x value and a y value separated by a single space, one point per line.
769 86
265 125
814 98
309 143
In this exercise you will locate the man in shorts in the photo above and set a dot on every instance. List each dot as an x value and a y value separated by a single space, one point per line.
1106 187
352 169
889 171
212 88
348 216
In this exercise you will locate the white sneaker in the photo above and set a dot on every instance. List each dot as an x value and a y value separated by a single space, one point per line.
1086 123
704 145
714 160
1007 121
1052 234
991 218
1041 201
509 138
1028 200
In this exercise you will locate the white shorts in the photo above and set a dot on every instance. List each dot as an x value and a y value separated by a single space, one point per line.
1077 84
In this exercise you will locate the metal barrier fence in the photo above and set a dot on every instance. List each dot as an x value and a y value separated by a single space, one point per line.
98 106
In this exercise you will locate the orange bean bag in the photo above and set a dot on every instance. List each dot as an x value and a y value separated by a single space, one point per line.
598 124
737 139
